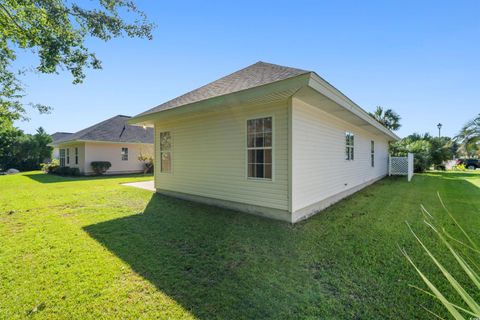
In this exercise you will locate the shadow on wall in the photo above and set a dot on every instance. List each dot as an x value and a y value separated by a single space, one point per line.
51 178
215 262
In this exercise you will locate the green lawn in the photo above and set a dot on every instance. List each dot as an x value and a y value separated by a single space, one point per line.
91 248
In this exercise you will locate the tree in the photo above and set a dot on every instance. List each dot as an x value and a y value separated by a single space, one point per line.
427 150
9 135
42 139
24 151
469 138
55 31
388 118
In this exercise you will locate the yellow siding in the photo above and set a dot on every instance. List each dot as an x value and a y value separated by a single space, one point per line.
319 168
209 156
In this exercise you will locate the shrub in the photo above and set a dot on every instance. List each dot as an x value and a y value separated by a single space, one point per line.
100 167
66 171
147 162
460 167
50 167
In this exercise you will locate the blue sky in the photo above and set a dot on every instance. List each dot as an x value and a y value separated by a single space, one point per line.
420 58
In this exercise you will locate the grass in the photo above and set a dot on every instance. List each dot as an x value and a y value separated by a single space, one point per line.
91 248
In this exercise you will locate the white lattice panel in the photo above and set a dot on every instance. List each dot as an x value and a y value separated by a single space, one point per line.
399 166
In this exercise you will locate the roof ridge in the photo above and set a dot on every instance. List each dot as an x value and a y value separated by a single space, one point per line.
280 66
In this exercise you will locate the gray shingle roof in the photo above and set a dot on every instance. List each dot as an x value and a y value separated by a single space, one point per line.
59 136
256 75
115 129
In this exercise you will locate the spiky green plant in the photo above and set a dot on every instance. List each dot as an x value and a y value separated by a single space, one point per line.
461 251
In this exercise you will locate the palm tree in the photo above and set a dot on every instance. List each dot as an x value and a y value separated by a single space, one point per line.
388 118
469 138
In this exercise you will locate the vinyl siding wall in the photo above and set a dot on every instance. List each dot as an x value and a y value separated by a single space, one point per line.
209 157
319 168
104 151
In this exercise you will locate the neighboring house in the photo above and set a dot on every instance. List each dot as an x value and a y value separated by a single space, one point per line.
55 137
270 140
112 140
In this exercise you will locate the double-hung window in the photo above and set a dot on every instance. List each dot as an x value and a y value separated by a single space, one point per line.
62 157
259 148
165 152
372 153
76 155
124 154
68 155
349 146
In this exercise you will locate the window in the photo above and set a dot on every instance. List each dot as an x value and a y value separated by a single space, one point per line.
68 156
124 154
372 153
259 148
165 152
349 146
62 157
76 155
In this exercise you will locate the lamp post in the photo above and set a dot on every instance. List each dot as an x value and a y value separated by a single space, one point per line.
439 126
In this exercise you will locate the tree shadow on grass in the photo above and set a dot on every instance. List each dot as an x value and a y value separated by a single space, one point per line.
51 178
216 263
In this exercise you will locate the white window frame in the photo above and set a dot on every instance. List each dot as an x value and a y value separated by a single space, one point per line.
68 155
76 155
160 151
372 153
124 154
61 154
349 151
247 148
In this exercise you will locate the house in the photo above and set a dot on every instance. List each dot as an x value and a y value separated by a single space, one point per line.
112 140
270 140
55 137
